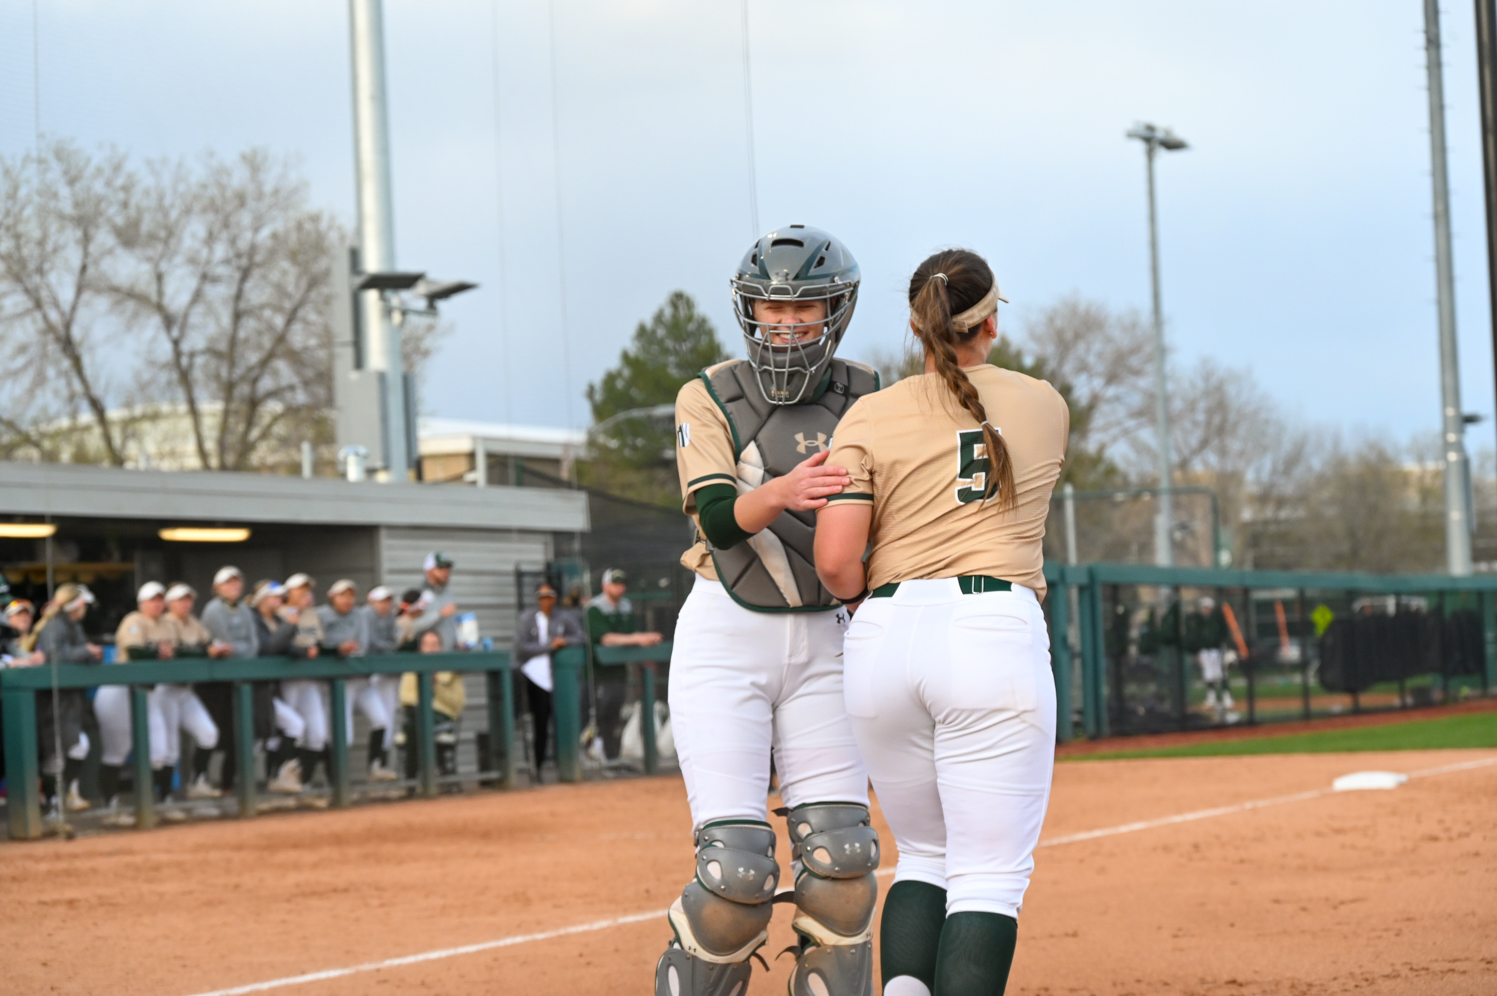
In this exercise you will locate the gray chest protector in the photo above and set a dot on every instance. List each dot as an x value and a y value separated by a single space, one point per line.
774 571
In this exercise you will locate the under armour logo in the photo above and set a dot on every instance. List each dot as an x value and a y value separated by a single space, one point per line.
818 444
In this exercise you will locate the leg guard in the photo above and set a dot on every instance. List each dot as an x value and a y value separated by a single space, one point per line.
836 853
723 915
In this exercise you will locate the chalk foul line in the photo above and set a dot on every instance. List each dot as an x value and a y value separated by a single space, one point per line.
375 966
583 928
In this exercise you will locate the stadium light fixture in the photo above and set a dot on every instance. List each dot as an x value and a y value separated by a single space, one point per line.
27 530
392 280
204 534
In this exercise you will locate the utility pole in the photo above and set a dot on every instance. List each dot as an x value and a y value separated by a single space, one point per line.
1453 423
1164 553
381 345
1486 52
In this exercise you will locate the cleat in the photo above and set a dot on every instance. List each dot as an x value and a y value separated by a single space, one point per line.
75 802
201 789
288 780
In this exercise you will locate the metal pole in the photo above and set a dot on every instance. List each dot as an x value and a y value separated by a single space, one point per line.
381 347
1163 546
1457 517
1486 49
1068 496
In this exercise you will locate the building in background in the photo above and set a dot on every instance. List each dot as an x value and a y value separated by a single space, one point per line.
492 453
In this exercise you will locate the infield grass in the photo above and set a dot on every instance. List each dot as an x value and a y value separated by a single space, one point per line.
1469 730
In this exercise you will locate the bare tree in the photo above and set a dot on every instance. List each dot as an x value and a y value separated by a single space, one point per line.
228 269
1103 357
57 216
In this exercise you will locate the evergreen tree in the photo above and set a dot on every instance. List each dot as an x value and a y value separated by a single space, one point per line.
634 456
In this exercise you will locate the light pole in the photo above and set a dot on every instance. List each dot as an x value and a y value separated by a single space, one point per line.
1155 138
377 228
1453 423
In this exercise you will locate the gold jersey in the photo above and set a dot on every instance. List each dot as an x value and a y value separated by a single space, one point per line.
918 457
139 630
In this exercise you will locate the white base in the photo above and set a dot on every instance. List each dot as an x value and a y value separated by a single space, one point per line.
1365 780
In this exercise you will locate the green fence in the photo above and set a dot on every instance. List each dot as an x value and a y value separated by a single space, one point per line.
1116 681
20 689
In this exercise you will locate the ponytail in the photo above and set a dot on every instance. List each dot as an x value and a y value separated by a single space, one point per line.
960 277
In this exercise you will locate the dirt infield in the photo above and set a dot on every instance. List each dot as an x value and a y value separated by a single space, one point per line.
1367 892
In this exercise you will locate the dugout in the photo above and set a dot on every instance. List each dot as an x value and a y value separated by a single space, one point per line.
110 524
110 521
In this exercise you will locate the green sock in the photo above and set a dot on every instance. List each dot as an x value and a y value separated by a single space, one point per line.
977 950
910 934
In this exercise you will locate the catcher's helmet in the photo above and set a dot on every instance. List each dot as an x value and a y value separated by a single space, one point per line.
794 263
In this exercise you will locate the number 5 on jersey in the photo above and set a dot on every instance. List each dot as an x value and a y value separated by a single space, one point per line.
972 466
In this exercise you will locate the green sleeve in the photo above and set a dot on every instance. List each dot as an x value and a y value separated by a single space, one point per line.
597 625
715 508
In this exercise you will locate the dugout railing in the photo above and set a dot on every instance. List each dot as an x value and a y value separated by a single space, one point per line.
24 690
1321 642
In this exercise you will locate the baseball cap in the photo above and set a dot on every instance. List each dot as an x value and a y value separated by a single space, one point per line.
410 596
299 581
267 589
378 594
340 586
150 590
70 596
180 590
19 605
436 559
615 575
227 574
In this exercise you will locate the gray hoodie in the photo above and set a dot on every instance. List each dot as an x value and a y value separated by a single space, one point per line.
436 600
232 624
338 628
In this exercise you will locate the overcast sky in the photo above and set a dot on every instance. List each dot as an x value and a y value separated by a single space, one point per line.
1295 231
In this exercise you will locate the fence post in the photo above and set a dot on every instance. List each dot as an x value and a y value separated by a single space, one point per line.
511 747
1306 628
501 746
244 732
1059 600
1091 653
140 746
24 804
337 754
647 716
1489 632
426 735
565 665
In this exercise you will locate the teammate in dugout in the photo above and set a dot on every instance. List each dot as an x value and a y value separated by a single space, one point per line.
757 669
948 661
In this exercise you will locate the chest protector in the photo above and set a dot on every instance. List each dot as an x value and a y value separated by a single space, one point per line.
774 571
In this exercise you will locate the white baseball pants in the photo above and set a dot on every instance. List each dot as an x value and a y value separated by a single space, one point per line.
743 684
305 697
953 704
112 709
376 697
181 709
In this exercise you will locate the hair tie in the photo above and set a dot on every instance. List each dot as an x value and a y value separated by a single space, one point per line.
941 277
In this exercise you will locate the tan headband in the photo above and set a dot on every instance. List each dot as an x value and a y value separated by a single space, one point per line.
979 312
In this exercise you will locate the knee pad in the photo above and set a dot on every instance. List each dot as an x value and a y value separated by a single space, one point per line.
723 914
836 854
